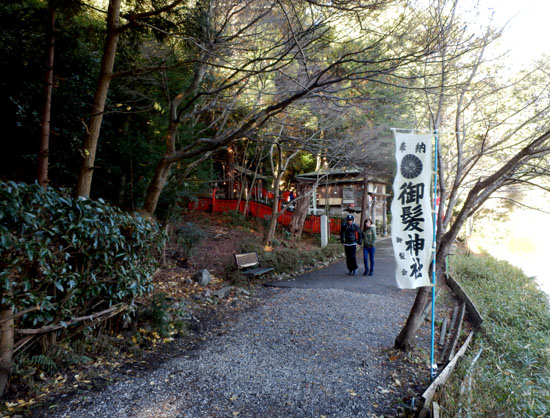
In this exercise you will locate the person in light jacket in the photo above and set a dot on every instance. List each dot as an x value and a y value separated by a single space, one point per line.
369 239
350 237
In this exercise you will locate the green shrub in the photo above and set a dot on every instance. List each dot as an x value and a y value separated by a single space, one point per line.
236 218
188 237
251 247
70 257
512 375
282 260
286 235
158 314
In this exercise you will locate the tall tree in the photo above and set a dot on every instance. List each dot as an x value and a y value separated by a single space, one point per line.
44 138
304 192
93 127
68 8
34 88
500 137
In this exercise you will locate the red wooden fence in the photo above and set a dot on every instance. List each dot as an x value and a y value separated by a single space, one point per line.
312 223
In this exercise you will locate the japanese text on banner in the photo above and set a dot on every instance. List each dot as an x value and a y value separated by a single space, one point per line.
411 226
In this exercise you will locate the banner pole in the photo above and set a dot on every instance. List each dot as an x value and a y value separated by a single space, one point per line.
434 248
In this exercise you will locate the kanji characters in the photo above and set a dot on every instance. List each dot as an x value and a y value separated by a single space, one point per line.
416 268
412 217
411 193
414 245
420 147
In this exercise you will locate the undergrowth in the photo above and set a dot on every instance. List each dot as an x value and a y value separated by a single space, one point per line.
289 260
507 370
187 237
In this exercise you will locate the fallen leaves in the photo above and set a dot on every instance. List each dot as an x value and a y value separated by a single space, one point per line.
79 378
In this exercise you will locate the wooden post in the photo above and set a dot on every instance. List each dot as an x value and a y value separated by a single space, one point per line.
451 326
435 410
440 380
457 332
443 332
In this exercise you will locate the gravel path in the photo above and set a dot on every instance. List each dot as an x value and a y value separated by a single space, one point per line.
298 353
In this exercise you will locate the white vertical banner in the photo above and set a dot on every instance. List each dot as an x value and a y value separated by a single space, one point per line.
411 222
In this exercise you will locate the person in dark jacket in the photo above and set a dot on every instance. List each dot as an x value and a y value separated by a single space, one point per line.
350 237
369 239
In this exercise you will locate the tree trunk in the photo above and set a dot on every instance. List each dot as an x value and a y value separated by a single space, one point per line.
230 173
84 183
270 234
249 197
155 187
404 340
365 200
254 183
243 189
44 138
163 168
303 196
6 344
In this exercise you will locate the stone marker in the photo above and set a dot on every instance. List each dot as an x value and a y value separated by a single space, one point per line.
202 277
223 292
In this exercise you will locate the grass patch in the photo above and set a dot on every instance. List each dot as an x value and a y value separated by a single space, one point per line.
511 376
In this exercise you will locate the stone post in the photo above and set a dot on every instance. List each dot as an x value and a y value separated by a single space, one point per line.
324 231
384 218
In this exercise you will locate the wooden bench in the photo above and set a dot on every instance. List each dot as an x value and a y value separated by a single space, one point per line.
249 264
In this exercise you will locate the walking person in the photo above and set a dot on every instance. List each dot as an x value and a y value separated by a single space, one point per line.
369 239
350 237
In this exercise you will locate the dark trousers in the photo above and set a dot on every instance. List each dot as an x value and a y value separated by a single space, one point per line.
368 255
351 261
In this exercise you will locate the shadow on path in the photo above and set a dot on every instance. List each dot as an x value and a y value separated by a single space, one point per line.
336 276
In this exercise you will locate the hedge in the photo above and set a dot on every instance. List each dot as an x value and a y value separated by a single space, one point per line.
64 257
